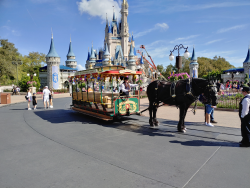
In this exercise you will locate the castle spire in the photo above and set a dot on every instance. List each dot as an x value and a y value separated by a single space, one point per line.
106 50
131 53
52 50
114 14
70 52
107 22
88 54
193 58
247 60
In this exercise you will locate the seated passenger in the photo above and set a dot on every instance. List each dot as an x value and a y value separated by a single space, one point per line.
90 89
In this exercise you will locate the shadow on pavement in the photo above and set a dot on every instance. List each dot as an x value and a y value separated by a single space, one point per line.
204 143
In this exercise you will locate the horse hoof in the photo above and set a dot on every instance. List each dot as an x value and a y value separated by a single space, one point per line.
182 131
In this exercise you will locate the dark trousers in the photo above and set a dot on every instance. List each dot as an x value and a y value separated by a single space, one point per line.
245 131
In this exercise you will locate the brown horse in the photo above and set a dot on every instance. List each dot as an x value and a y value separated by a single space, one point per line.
182 94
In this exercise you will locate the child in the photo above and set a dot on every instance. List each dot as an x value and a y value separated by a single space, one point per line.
34 100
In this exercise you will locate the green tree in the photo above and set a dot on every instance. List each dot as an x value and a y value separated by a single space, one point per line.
8 53
24 86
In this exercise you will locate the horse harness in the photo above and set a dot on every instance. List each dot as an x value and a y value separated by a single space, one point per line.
172 93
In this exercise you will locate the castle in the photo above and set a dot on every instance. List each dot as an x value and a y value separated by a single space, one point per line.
119 47
55 75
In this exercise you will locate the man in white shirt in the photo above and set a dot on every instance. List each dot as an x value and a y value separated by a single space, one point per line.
46 93
125 87
245 117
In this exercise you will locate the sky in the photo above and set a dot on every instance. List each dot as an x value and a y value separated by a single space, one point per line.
213 27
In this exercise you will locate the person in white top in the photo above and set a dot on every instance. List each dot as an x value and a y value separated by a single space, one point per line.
125 87
244 113
46 94
29 98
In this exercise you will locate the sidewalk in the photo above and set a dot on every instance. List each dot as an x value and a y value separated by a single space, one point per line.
224 118
21 98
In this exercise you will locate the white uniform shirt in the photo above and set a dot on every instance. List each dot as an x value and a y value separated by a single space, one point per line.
46 93
125 90
245 106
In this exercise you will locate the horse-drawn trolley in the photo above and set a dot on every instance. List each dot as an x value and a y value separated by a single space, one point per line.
96 92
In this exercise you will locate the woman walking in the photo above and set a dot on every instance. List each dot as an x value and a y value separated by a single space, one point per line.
29 98
50 98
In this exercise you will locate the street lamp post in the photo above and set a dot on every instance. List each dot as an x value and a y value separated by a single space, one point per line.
31 78
178 58
18 62
232 76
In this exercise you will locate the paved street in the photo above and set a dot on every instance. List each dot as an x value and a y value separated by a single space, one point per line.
61 148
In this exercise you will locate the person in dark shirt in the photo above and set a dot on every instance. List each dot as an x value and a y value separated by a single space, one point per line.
34 100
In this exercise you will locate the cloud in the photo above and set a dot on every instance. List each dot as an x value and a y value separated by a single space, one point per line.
158 26
99 8
14 32
213 41
223 30
182 39
80 67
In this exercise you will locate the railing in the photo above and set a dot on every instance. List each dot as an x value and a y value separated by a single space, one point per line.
225 102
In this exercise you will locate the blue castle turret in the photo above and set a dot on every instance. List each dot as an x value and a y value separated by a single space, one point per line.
193 66
71 58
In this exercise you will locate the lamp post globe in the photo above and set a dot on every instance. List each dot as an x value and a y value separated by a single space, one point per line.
171 57
28 74
186 54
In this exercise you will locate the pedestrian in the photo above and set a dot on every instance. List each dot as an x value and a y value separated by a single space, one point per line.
34 101
218 84
46 93
245 117
209 110
29 98
14 90
51 97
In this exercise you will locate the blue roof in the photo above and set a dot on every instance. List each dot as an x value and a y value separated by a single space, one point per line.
114 16
131 51
118 50
70 52
109 30
52 50
62 67
118 32
234 70
247 60
133 38
193 58
134 52
106 50
88 55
